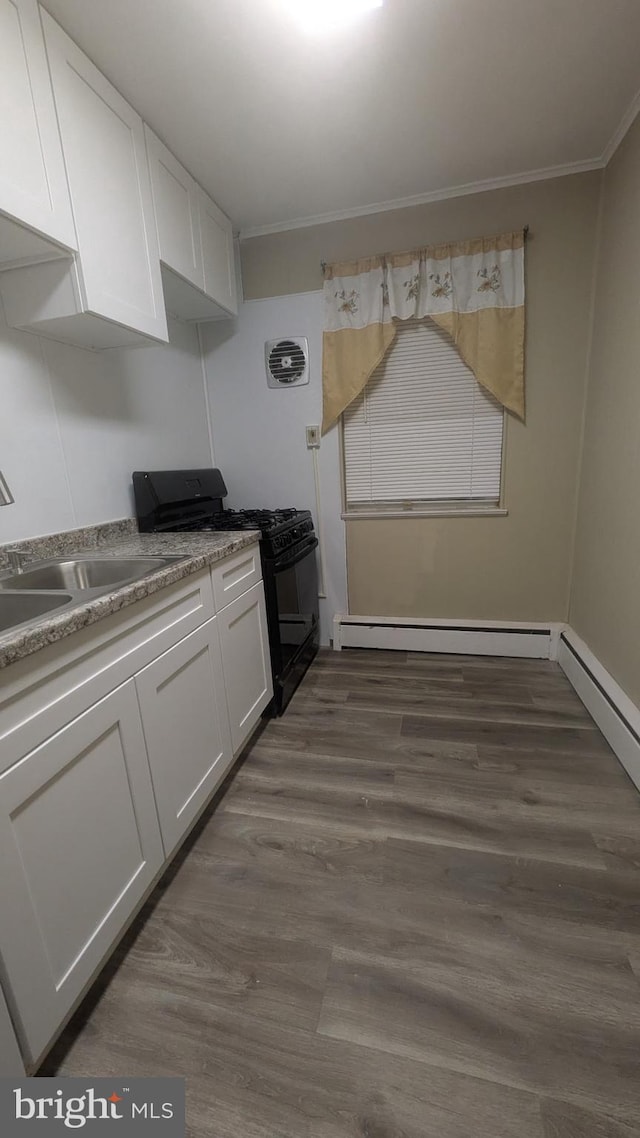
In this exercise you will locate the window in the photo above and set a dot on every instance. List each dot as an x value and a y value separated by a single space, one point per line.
423 434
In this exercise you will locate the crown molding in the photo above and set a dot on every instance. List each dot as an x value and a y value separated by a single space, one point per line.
467 188
424 199
626 122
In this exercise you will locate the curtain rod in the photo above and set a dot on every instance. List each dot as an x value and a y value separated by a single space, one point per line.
525 230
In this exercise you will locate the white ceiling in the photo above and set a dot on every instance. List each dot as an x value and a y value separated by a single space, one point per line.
416 98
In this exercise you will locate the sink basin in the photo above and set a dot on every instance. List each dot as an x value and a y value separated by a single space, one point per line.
17 609
82 573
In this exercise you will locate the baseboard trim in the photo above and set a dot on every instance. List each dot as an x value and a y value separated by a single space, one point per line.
615 714
465 637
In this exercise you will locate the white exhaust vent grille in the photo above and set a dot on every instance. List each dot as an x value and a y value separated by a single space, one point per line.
287 362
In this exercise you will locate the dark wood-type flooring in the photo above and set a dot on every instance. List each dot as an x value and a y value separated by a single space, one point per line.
413 912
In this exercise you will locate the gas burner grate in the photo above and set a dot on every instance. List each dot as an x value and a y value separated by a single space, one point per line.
264 520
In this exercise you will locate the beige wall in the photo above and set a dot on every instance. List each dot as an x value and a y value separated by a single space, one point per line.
605 600
512 568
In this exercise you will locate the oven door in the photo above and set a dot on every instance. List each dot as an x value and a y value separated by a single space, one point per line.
292 602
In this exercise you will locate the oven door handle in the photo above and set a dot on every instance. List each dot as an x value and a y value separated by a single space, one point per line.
290 559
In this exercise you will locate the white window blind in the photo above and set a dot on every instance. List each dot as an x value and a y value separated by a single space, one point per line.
423 430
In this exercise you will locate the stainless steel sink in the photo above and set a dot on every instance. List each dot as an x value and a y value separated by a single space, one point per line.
22 608
45 586
83 574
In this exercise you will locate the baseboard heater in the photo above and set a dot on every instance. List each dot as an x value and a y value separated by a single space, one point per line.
472 638
615 714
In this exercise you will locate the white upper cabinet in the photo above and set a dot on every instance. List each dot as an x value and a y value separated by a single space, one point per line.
195 239
103 143
112 294
35 209
217 254
175 199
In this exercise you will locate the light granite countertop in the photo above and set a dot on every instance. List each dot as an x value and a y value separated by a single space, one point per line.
196 551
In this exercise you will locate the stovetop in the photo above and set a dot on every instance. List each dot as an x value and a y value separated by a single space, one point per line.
280 529
268 521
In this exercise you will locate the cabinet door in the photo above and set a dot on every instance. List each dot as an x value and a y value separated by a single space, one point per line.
11 1065
33 184
175 202
185 721
217 254
79 847
246 662
105 154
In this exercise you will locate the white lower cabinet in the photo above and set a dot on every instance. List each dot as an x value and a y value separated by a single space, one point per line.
181 697
95 799
79 847
247 667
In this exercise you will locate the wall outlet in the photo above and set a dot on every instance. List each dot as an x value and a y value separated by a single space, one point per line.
313 437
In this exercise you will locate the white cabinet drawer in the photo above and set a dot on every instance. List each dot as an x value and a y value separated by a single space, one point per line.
233 576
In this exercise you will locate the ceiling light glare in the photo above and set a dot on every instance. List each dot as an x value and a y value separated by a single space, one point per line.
327 15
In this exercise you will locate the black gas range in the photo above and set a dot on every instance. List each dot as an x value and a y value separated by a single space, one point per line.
184 500
280 529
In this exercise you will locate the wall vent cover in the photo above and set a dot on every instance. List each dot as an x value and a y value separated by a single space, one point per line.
287 362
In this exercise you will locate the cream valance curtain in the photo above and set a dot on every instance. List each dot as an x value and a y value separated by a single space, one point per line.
474 290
